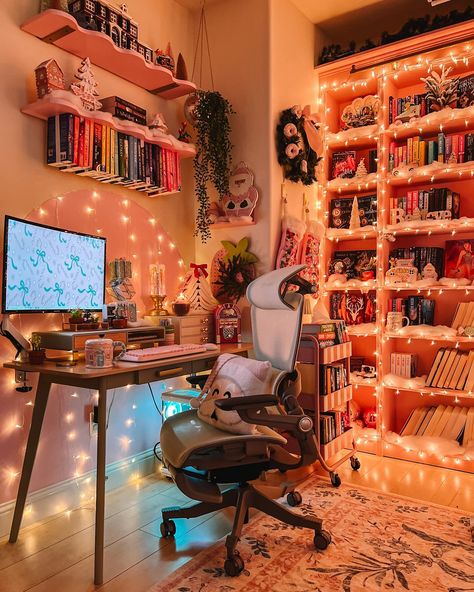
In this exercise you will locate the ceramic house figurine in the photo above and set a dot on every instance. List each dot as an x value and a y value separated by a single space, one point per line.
228 324
49 77
165 58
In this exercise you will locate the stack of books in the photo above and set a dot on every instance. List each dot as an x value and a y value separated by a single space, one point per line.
434 200
419 310
417 151
333 377
403 364
452 423
396 106
452 369
331 425
464 315
328 334
89 148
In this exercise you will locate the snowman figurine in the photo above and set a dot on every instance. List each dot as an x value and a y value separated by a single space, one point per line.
429 272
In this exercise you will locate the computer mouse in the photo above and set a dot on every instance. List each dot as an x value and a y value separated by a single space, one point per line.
211 346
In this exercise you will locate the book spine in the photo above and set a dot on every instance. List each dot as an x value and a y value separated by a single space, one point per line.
51 141
441 147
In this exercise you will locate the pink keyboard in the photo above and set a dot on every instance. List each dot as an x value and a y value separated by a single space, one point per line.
151 354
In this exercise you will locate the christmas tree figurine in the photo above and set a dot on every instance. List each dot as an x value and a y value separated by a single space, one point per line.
355 217
442 91
361 170
197 291
86 87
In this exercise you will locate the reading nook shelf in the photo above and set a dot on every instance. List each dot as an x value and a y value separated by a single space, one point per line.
61 29
394 79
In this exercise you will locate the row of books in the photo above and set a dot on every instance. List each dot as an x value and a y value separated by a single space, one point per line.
452 148
452 369
441 199
328 334
352 308
355 262
403 364
333 377
396 106
331 425
453 423
89 148
464 315
418 310
342 209
344 164
421 256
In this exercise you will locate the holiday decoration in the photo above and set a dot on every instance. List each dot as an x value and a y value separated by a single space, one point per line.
370 417
401 271
362 111
165 59
228 324
429 272
361 170
86 86
181 70
442 91
292 233
243 195
297 143
49 77
189 108
232 270
181 305
183 134
310 252
120 284
196 290
355 217
158 124
114 22
214 153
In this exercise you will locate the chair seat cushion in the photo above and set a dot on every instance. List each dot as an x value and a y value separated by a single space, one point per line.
185 433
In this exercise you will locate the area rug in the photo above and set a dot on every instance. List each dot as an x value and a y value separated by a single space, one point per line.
379 542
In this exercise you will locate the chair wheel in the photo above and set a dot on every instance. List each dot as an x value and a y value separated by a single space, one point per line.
322 540
355 463
335 479
294 498
167 528
234 566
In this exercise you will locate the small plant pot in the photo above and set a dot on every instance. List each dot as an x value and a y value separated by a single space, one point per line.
36 356
119 323
76 320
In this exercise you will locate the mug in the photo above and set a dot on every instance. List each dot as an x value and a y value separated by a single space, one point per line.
99 353
395 321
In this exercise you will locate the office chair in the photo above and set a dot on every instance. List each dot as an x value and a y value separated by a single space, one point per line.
199 456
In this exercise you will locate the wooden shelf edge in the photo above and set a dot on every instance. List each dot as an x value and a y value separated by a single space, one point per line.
426 390
62 30
220 225
52 105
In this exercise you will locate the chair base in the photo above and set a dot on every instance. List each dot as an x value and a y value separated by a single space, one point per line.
243 497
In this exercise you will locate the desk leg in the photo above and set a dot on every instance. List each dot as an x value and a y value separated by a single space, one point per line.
41 400
100 485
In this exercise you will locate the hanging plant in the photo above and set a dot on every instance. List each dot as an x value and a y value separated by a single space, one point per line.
213 159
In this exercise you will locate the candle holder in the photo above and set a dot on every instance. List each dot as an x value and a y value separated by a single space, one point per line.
158 310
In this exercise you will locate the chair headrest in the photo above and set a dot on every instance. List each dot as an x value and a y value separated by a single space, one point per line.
266 292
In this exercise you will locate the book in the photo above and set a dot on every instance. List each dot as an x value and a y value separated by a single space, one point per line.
453 379
441 376
430 428
468 437
426 420
465 92
123 109
459 259
343 164
465 372
435 365
443 421
469 384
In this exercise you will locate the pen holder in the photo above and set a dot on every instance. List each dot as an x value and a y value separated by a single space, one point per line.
158 310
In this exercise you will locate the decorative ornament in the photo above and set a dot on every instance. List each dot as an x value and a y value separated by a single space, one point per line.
196 290
442 91
401 271
338 271
361 170
429 272
355 215
190 108
183 134
158 123
181 70
242 198
298 142
85 89
49 77
228 324
165 59
292 233
120 285
361 112
232 271
370 417
310 253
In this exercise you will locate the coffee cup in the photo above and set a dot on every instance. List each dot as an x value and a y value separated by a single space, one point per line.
395 321
99 353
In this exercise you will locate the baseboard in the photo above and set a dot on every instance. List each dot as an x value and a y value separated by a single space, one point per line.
72 493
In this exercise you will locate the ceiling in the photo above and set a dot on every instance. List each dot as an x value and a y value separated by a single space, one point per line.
319 12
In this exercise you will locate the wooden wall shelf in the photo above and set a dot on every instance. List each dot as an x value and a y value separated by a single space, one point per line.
237 224
61 29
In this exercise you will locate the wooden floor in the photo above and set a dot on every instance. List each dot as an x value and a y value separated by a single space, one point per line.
56 555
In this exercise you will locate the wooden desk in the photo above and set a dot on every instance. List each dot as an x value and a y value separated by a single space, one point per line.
121 374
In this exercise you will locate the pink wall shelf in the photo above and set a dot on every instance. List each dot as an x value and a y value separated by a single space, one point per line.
52 105
61 29
239 223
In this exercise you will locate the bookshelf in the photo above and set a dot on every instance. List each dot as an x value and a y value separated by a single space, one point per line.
61 29
394 75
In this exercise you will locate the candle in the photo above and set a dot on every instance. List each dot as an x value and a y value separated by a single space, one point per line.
157 279
181 305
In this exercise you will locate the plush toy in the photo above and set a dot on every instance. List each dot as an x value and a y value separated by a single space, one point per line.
292 233
232 376
350 416
370 417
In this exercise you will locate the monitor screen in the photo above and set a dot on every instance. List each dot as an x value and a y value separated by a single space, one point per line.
48 269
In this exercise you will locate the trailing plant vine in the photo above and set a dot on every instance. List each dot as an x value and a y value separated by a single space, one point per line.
213 159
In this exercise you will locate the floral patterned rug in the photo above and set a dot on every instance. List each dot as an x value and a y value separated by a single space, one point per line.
379 542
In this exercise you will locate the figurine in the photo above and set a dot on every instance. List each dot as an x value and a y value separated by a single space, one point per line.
339 272
165 58
429 272
158 123
401 271
49 77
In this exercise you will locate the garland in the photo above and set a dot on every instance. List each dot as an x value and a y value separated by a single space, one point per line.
295 154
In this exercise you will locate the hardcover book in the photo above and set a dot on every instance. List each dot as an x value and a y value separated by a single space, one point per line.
344 164
459 259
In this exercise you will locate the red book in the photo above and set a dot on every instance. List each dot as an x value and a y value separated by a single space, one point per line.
81 142
461 148
76 140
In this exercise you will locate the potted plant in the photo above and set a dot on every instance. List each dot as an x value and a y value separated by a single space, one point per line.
76 316
37 354
213 158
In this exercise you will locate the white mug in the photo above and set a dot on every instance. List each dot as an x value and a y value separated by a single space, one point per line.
99 353
395 321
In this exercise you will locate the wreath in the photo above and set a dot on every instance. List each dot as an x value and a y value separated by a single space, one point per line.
297 135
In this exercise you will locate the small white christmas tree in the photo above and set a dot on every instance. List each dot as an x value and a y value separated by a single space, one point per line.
355 217
197 291
361 170
86 86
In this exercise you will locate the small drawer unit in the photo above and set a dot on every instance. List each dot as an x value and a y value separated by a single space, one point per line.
194 328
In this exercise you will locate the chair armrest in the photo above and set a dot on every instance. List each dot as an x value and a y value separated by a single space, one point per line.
250 402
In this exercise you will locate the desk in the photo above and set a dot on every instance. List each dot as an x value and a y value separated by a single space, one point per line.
121 374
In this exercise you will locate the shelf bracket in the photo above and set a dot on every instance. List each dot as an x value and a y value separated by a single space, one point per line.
59 34
162 89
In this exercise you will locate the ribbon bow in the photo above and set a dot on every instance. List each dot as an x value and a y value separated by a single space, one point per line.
199 268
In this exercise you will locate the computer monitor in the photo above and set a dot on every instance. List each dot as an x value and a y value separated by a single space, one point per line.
47 269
